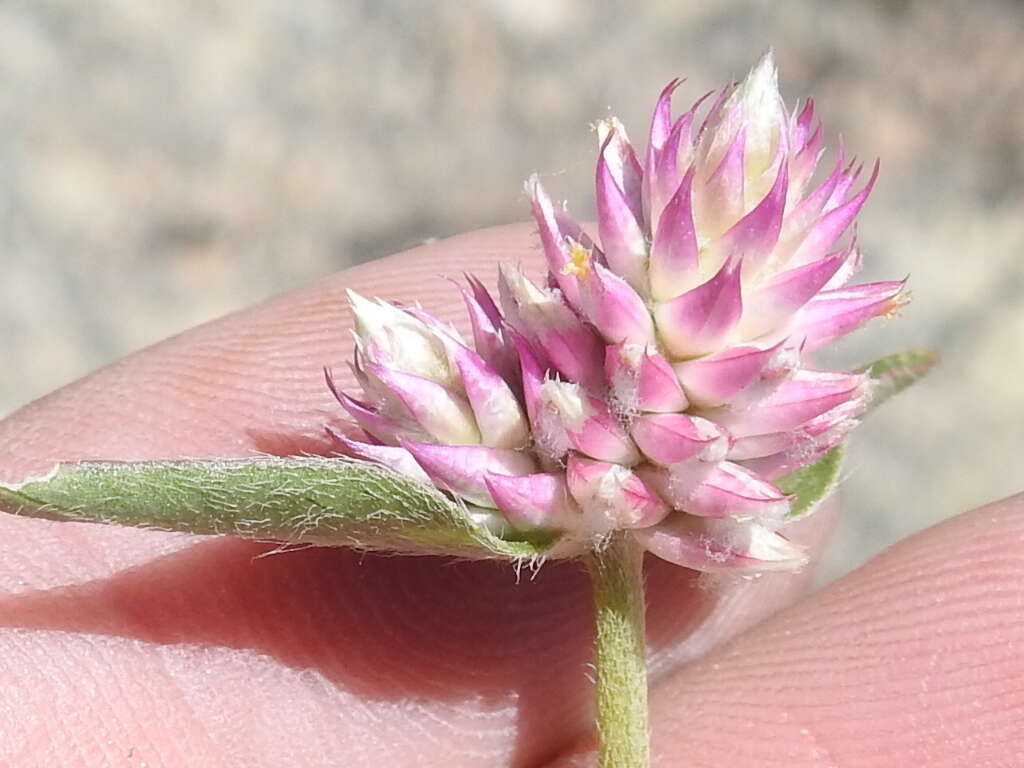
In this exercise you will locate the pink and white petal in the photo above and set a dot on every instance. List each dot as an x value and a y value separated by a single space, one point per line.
779 464
674 265
675 155
776 454
802 125
830 427
486 336
719 200
614 308
728 490
404 338
759 446
460 469
532 371
714 380
395 458
657 389
847 179
833 314
486 302
499 417
661 130
447 417
576 353
849 267
534 502
550 440
831 226
642 380
612 497
621 233
552 241
356 363
369 418
801 217
669 438
589 426
574 349
720 545
770 306
719 124
661 119
489 330
801 136
754 236
602 437
802 165
704 319
766 120
621 161
795 401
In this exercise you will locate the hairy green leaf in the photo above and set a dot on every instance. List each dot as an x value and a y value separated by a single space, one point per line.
812 483
301 500
894 373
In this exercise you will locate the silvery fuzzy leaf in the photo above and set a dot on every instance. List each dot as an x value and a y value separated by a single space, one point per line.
297 500
894 373
810 485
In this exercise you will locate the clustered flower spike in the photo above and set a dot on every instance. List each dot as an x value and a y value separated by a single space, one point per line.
657 382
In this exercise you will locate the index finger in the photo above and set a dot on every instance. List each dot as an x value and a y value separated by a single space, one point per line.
385 629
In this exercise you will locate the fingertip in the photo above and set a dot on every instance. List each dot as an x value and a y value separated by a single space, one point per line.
248 382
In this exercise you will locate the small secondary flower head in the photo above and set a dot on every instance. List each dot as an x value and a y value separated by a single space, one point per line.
657 381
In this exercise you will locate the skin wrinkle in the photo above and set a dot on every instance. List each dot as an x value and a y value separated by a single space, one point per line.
172 750
142 698
44 728
405 641
201 743
109 690
95 739
859 663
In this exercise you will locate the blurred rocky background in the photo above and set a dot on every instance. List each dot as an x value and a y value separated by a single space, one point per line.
162 163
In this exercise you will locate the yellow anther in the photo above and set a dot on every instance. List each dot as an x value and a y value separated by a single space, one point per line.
896 303
579 261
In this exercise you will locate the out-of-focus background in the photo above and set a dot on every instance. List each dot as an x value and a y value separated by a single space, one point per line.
162 163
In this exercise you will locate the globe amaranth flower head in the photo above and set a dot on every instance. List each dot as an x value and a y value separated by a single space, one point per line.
658 381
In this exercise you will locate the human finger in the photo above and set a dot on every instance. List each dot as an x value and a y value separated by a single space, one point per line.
436 656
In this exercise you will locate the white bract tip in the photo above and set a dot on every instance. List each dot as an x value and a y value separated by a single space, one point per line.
769 547
390 336
764 115
568 400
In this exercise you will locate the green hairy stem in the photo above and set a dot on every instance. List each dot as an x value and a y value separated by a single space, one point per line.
616 571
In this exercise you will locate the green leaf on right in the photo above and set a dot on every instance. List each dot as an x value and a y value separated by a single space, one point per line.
811 484
894 373
891 374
